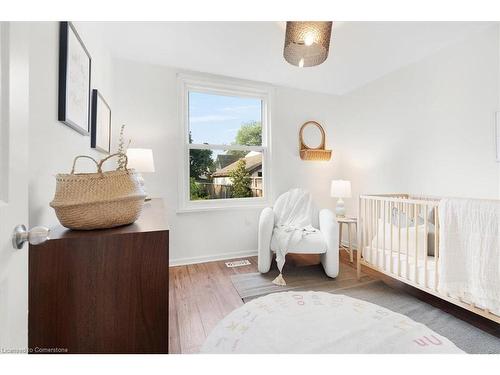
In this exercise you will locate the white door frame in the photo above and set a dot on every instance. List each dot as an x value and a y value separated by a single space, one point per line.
14 125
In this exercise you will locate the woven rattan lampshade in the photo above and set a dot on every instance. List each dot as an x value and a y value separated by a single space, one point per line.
307 43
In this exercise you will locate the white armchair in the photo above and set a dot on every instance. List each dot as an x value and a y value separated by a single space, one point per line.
324 242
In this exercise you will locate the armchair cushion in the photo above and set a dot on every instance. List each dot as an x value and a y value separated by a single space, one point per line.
313 243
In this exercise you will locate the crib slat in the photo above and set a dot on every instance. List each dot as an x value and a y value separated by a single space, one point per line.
373 229
364 222
426 233
359 240
436 248
391 240
377 247
383 236
415 218
370 208
400 207
407 241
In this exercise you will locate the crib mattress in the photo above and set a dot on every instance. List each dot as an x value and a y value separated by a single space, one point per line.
400 268
370 256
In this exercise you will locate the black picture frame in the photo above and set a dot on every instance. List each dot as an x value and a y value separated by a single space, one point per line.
66 44
99 104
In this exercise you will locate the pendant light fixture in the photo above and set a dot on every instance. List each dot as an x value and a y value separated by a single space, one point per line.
307 43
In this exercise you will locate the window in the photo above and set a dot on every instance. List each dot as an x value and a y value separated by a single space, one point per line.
225 126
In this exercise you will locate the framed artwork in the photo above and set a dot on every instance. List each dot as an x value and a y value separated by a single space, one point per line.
100 134
74 80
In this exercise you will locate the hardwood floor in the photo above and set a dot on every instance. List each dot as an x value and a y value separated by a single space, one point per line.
202 294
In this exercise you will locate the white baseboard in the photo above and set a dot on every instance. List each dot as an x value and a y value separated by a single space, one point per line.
223 256
211 258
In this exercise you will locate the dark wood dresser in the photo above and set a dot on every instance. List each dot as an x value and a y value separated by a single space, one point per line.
101 291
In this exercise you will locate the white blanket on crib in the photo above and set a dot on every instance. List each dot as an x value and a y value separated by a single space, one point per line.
469 251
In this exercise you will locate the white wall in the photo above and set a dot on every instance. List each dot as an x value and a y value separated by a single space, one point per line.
427 128
145 99
498 106
53 145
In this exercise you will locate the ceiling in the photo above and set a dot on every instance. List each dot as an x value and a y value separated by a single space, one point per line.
360 52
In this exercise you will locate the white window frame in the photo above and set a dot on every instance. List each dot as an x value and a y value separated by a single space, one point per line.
228 87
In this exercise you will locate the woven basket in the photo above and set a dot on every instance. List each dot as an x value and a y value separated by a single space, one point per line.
98 200
318 153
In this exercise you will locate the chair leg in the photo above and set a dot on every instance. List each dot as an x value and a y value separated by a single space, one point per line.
265 258
330 262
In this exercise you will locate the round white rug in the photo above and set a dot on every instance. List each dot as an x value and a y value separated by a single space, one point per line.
318 322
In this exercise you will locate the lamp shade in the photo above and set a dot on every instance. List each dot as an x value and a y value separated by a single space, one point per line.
141 159
340 189
307 43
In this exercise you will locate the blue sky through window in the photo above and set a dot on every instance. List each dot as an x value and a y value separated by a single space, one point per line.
215 119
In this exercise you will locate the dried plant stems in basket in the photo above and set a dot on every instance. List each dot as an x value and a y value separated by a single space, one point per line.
122 149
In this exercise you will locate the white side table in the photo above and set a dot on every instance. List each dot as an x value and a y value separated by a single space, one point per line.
349 221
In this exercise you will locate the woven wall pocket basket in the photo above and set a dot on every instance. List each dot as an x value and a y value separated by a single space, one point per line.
98 200
309 153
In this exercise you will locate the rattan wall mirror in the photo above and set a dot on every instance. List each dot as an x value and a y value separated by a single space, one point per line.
314 149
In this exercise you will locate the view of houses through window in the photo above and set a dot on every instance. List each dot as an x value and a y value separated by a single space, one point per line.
226 149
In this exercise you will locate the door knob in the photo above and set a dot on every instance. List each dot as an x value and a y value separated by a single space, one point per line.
35 236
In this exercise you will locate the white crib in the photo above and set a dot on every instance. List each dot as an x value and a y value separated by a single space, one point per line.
409 250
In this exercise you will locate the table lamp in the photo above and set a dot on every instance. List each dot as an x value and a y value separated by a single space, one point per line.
141 159
340 189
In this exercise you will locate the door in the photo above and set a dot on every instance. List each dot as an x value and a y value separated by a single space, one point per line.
14 118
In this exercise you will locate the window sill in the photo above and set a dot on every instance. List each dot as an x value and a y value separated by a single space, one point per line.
229 207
